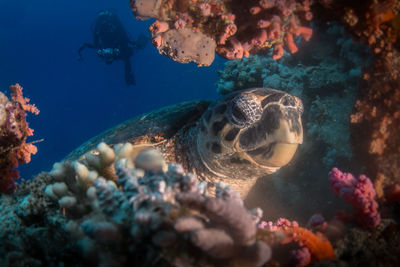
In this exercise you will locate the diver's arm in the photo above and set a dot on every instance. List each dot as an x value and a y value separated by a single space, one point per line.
85 45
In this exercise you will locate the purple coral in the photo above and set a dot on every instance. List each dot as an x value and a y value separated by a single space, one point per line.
360 193
230 232
300 257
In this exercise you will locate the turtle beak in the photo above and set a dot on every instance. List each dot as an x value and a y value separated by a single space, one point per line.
288 133
283 154
282 143
273 155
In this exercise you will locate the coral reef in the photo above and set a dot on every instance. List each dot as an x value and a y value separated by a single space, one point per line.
147 213
191 30
234 35
159 206
329 123
373 22
115 207
375 123
325 74
366 247
375 118
31 230
326 81
14 131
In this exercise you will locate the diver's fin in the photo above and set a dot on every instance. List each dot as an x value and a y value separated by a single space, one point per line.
140 42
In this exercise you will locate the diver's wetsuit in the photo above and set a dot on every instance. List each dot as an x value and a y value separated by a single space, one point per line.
112 42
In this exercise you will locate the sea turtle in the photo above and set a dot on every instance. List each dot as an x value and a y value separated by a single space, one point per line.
243 136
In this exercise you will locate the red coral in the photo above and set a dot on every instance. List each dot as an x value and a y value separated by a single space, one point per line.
13 133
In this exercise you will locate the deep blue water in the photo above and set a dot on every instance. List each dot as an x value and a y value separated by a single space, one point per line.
78 100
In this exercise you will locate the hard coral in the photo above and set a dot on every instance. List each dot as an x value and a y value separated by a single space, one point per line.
375 24
13 133
165 209
375 121
234 29
376 117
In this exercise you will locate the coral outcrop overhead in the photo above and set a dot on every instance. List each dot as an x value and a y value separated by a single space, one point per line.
13 133
191 30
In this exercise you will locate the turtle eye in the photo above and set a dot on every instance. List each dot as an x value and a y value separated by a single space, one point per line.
244 111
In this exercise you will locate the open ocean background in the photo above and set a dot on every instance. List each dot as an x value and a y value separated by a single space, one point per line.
39 41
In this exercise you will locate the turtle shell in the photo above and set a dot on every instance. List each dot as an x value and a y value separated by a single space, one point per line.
150 128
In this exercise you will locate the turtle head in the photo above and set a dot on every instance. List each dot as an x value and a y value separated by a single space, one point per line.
250 133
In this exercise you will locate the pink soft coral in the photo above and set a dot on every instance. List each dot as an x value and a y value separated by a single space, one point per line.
360 193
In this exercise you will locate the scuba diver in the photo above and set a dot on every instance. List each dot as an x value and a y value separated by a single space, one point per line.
112 42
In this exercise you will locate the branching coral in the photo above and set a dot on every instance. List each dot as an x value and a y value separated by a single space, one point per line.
190 30
156 205
14 131
360 193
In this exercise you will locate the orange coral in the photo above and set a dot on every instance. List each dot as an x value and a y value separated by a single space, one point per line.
380 135
380 13
25 151
319 247
13 133
375 123
374 25
317 244
16 96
